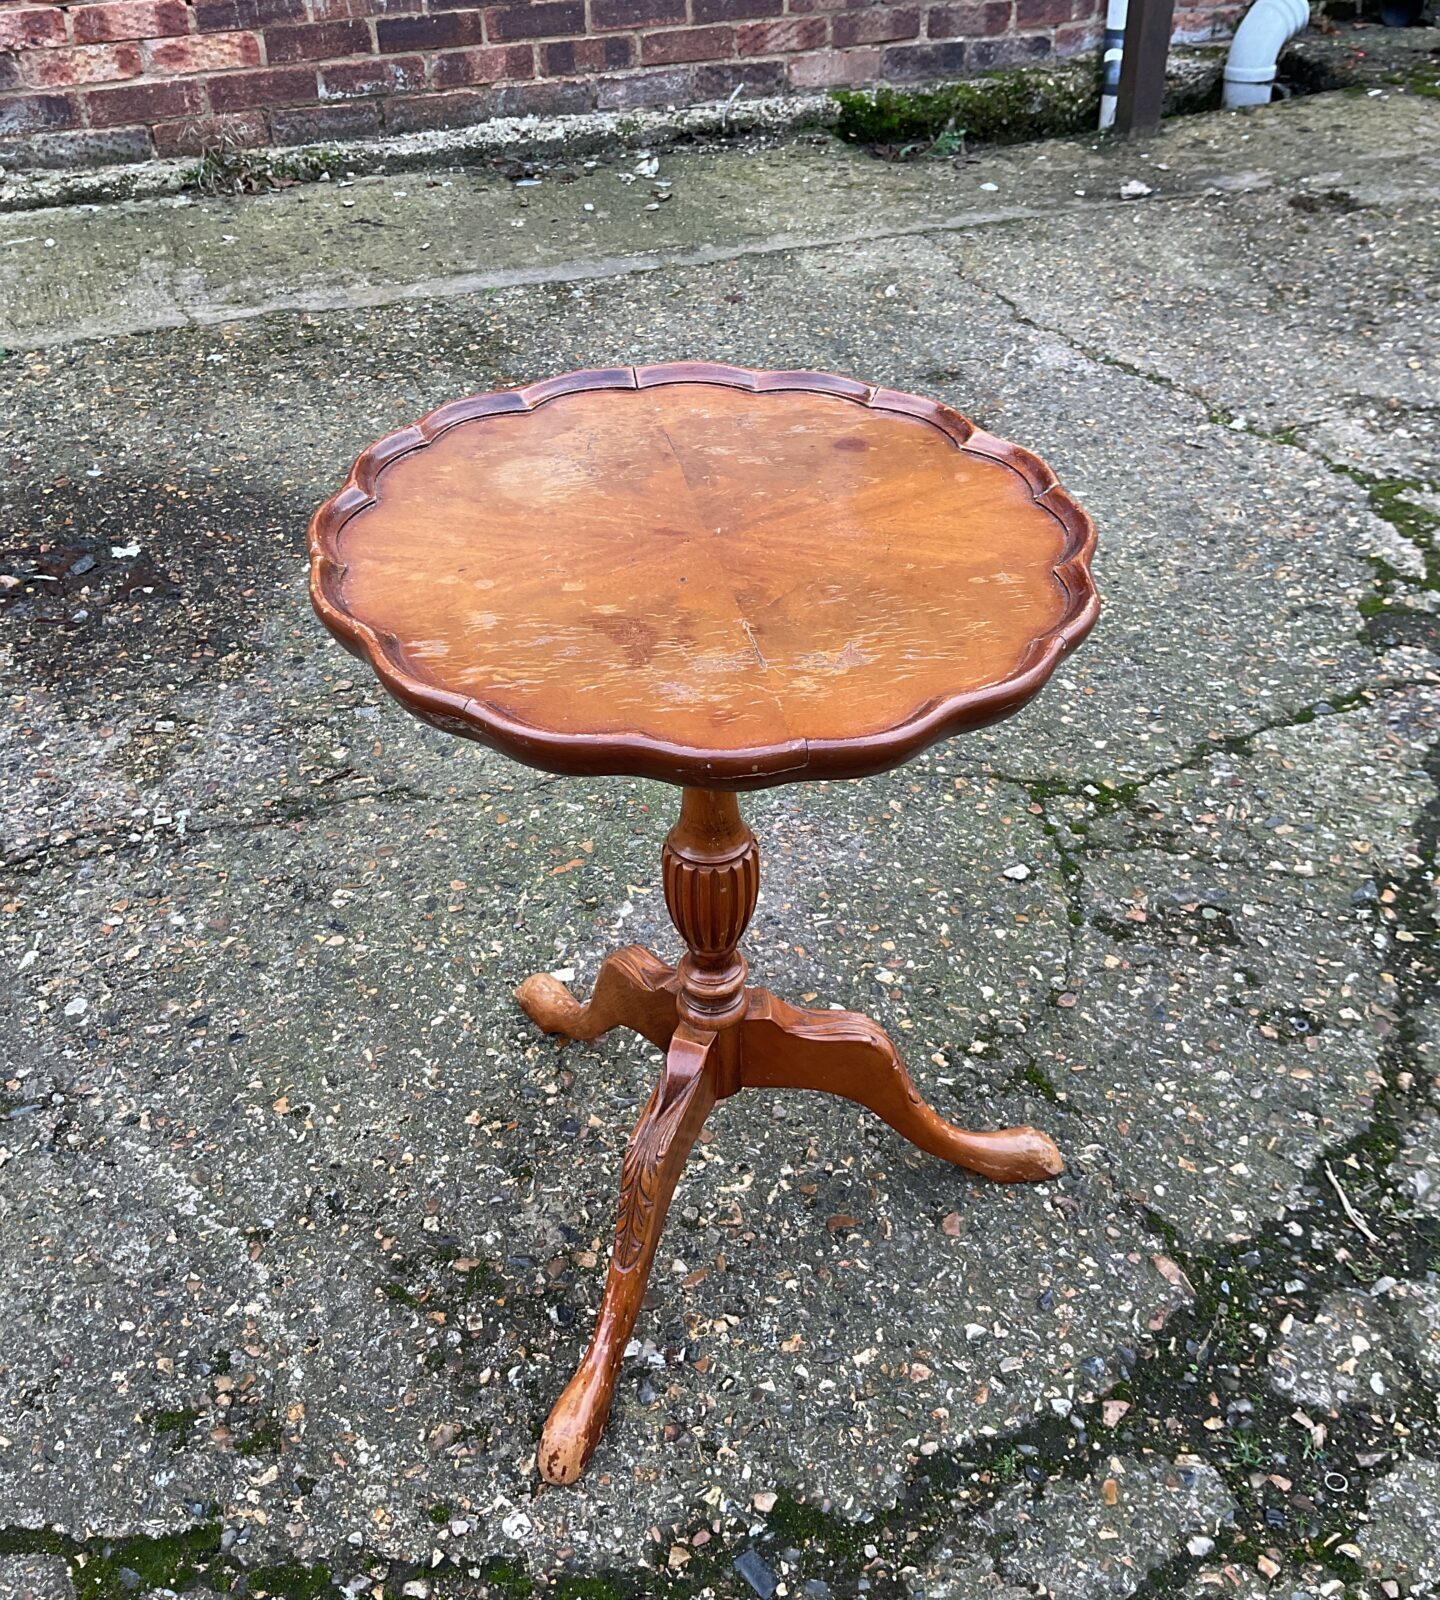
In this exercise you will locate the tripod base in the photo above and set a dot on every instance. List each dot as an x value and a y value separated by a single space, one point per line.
769 1045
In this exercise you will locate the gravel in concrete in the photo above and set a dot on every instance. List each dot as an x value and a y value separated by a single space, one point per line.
1398 1546
1101 1540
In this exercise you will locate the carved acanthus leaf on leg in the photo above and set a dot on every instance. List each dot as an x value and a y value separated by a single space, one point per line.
654 1158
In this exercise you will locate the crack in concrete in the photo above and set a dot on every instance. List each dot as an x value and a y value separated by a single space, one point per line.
1106 795
82 844
1395 1105
1289 436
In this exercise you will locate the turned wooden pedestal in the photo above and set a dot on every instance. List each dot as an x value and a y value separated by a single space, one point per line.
726 580
720 1035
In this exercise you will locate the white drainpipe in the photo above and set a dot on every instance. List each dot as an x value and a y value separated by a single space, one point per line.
1113 48
1265 30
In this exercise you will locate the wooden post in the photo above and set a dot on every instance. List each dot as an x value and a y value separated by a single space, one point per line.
1142 70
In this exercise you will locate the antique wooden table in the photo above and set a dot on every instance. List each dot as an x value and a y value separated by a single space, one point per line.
724 579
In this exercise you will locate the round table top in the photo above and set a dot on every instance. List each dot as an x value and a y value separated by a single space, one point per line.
704 574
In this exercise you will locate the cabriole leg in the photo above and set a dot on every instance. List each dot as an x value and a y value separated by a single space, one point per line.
841 1052
634 990
662 1139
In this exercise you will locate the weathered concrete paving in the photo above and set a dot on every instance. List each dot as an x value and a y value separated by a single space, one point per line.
302 1226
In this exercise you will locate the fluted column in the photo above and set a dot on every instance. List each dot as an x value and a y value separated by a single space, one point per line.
711 867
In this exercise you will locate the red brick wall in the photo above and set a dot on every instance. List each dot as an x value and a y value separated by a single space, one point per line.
123 79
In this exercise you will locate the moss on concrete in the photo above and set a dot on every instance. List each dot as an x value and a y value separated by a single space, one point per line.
995 108
104 1568
1009 105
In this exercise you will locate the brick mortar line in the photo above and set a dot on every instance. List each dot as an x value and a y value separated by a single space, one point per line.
203 78
153 75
